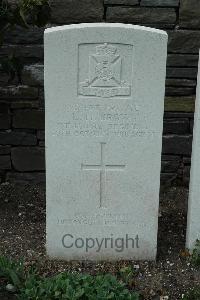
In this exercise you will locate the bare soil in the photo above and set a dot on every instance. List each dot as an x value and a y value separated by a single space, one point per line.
22 235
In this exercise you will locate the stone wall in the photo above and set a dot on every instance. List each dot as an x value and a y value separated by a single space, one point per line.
22 106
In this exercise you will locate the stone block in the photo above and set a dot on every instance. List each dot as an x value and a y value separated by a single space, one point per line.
121 2
18 92
180 104
186 175
176 126
166 179
160 3
41 135
173 72
16 138
19 35
191 125
24 178
180 82
4 150
189 14
182 60
33 75
19 104
25 52
77 11
170 166
4 108
25 159
184 41
177 144
5 121
177 115
141 15
5 163
31 119
179 91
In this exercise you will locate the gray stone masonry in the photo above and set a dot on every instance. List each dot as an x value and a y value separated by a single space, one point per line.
22 106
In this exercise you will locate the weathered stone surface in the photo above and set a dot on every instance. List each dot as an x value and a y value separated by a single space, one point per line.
18 92
172 158
26 52
13 3
4 108
177 115
186 175
189 14
193 218
179 91
191 125
180 82
5 121
182 60
187 161
97 134
33 75
41 97
170 166
141 15
23 178
24 104
177 144
184 41
77 11
2 175
121 2
41 135
167 179
19 35
5 150
31 119
172 3
176 126
180 104
173 72
16 138
5 163
26 159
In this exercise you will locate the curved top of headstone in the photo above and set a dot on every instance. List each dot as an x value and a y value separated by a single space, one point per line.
105 25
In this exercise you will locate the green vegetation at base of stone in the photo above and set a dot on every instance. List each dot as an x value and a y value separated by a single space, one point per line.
127 274
193 294
195 257
12 271
73 286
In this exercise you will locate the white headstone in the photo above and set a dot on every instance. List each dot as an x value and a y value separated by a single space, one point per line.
104 86
193 226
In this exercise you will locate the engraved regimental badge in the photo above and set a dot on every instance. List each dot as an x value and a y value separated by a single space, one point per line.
105 73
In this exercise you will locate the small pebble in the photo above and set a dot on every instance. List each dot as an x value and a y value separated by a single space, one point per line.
136 267
10 288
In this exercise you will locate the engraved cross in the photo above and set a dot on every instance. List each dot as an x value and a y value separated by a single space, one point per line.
102 168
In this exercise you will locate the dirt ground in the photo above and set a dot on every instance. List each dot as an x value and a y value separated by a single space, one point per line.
22 234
